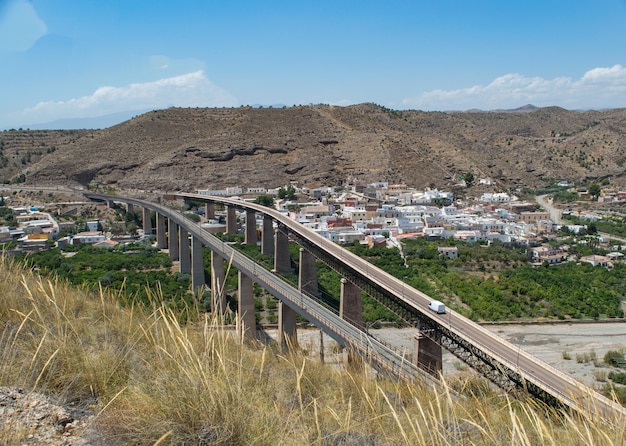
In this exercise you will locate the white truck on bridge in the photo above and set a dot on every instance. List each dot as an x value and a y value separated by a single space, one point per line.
437 307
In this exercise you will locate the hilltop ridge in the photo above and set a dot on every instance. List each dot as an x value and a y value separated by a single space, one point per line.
191 148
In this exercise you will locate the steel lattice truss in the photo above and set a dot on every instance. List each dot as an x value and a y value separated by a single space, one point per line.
503 376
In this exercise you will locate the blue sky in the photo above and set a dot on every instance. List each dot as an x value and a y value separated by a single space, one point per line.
69 59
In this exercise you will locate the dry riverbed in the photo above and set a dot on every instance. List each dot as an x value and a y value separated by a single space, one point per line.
585 344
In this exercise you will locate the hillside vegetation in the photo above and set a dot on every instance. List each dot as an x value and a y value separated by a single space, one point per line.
147 379
201 148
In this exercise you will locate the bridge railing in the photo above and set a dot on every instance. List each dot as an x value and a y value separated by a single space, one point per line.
321 315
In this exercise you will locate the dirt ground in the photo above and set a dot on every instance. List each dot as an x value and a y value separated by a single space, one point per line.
552 343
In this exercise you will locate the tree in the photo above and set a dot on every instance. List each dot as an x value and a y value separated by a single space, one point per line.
265 200
595 190
289 192
469 179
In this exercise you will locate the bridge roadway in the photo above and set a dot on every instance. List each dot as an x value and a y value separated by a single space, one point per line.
501 356
378 354
525 369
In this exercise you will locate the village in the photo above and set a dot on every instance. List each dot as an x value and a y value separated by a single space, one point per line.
383 214
376 214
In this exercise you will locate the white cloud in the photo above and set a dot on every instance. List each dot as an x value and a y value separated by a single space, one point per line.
187 90
597 88
20 26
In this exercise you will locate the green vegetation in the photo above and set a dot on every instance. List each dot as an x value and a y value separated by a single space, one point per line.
192 216
484 283
265 200
614 358
6 216
469 179
614 225
595 190
496 283
289 192
491 283
618 377
130 271
563 196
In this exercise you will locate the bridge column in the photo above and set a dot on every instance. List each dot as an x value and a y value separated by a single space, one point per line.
183 250
147 221
172 235
350 303
247 319
161 236
287 333
129 208
267 236
110 204
427 354
251 237
231 220
282 259
209 210
197 265
218 294
307 275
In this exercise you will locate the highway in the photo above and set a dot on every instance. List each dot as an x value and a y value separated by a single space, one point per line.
532 370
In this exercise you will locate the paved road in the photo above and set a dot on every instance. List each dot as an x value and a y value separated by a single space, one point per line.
545 202
556 215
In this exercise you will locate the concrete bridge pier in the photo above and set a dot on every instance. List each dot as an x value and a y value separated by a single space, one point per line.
130 208
218 295
287 331
197 266
427 354
209 210
184 254
161 234
147 221
351 304
282 259
267 236
247 319
172 236
307 274
251 237
231 220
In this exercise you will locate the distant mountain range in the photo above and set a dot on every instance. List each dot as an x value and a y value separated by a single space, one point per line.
199 148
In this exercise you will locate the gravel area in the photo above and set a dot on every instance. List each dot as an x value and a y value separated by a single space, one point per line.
30 418
581 342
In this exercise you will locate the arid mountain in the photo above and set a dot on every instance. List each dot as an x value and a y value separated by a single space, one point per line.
201 148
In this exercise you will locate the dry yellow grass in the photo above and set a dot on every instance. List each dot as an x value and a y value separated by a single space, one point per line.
154 380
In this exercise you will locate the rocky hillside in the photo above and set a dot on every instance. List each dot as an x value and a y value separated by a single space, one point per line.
200 148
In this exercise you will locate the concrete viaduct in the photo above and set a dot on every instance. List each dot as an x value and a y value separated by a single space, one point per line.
503 363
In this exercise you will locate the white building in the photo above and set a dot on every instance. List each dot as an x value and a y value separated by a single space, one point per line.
87 238
449 252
